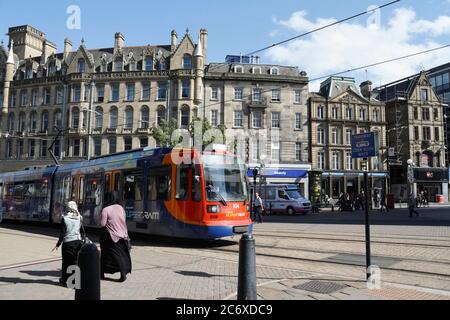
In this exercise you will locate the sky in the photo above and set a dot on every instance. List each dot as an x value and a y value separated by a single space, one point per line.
237 26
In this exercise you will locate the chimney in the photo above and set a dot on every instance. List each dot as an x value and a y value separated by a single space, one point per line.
366 88
67 47
174 40
119 40
204 38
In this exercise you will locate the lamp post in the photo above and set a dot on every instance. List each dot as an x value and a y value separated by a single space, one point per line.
410 164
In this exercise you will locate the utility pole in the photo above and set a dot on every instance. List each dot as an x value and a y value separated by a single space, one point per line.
89 126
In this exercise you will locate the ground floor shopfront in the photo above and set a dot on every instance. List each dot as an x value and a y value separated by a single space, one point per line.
283 174
435 181
332 184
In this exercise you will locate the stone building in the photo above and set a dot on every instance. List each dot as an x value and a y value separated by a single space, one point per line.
339 110
124 91
416 132
131 90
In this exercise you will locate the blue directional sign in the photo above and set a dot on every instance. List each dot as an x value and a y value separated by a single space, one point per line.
364 145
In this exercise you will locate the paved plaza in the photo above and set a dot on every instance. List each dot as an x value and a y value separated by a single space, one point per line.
313 257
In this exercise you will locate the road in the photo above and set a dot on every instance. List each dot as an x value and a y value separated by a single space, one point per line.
413 252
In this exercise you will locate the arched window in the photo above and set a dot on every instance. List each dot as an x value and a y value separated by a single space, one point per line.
21 122
113 114
128 118
427 159
161 115
112 141
98 118
274 71
187 61
185 116
148 64
33 121
145 117
44 121
75 118
81 66
11 121
57 119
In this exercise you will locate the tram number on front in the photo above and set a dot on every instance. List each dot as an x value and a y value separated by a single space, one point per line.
151 216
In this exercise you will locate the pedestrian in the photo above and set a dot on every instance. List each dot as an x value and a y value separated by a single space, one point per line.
258 208
383 203
426 199
412 206
70 238
114 240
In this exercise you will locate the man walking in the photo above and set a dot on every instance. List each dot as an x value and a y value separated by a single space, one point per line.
383 203
258 208
412 206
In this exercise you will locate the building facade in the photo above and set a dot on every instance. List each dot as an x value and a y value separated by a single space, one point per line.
103 101
440 80
416 132
265 108
337 112
112 96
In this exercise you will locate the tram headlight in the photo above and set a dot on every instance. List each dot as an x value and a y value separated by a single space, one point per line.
213 209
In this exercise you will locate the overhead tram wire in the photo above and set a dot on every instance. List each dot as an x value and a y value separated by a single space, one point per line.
313 31
380 63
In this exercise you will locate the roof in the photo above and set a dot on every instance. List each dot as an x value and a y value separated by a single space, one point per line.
248 68
403 87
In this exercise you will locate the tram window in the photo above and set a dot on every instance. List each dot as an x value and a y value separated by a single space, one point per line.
107 182
74 188
133 186
182 182
160 185
196 184
116 181
1 192
93 190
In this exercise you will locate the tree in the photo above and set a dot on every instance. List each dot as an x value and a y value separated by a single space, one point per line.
162 133
205 127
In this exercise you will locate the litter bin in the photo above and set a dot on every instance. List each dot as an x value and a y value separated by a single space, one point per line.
391 201
440 198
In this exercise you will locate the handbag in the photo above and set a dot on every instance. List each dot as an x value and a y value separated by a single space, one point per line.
84 239
129 243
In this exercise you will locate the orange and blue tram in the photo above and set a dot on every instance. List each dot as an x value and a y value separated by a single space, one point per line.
165 192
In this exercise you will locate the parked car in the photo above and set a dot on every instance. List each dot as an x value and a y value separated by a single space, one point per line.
282 199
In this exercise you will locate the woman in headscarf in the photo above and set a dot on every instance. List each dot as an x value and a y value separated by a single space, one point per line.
70 238
115 254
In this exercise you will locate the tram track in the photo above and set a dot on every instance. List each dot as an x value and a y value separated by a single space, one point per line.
360 239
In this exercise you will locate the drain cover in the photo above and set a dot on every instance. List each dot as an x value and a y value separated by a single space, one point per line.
323 287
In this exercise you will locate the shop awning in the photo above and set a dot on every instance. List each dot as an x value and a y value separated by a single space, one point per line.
280 173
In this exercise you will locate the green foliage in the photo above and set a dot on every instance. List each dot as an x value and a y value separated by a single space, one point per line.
205 127
163 133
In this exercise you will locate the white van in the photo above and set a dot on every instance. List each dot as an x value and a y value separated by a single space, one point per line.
284 199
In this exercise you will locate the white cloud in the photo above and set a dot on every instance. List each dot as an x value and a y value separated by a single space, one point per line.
349 45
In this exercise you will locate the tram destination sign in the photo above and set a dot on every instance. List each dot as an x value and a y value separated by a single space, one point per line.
364 145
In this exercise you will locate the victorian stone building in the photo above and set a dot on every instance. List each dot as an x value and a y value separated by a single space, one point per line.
416 132
120 91
339 110
106 100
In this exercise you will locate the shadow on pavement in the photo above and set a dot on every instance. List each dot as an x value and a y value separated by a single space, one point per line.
427 217
47 273
28 281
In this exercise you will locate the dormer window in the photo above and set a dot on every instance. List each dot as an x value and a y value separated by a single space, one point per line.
187 61
148 64
118 65
81 66
256 70
51 68
29 73
274 71
238 69
132 66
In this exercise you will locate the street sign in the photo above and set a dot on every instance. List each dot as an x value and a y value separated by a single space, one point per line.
364 145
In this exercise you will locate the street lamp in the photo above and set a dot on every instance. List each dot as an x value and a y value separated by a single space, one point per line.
410 164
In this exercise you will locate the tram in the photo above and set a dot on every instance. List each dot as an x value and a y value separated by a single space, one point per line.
180 193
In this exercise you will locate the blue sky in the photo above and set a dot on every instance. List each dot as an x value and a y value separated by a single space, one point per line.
234 26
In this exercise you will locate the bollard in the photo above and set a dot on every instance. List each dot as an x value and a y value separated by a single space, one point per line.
247 268
89 263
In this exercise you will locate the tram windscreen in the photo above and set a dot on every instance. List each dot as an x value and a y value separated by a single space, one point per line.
224 178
